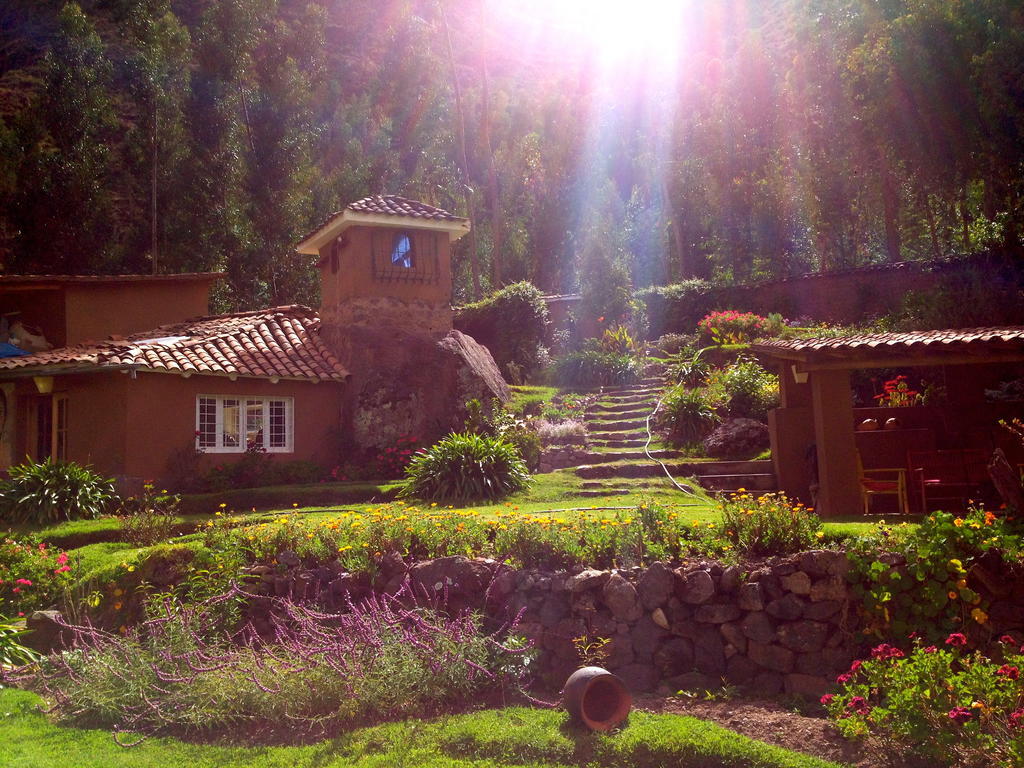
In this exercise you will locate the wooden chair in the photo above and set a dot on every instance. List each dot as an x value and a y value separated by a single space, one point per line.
949 478
892 482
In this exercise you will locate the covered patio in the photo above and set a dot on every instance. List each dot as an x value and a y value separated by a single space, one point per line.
817 449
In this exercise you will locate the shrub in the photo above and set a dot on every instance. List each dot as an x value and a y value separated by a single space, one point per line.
12 652
676 344
594 367
933 594
937 702
466 466
566 407
690 368
769 525
619 341
732 327
686 415
50 491
750 391
180 672
511 323
148 518
678 307
32 576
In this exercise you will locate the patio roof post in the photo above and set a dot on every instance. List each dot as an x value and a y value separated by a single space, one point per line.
838 484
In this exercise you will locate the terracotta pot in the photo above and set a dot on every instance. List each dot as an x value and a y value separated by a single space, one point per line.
597 698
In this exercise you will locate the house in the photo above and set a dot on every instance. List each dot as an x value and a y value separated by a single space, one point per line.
140 377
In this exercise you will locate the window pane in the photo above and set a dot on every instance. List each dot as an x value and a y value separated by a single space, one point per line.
254 424
207 423
278 424
401 255
231 418
61 428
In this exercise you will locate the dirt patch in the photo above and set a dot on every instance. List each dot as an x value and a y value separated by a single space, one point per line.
770 722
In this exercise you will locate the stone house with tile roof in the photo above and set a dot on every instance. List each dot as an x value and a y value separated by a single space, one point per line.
139 373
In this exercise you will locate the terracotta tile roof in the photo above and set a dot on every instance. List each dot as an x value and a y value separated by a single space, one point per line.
953 339
97 279
281 342
393 205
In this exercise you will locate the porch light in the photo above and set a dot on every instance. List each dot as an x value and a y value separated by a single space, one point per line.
44 384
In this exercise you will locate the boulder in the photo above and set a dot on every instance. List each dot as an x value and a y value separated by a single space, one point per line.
751 597
799 583
695 587
773 657
656 586
621 598
803 636
737 439
787 608
832 588
758 627
674 657
459 580
717 613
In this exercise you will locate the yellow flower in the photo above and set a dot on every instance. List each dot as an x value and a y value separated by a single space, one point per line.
958 522
118 592
820 534
131 568
951 595
979 616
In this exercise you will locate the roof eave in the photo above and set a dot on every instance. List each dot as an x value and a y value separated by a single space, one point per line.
456 228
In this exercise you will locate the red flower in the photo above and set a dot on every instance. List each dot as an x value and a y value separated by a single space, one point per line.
844 678
960 715
23 582
886 651
1017 718
1008 640
827 698
956 639
857 664
1013 673
929 649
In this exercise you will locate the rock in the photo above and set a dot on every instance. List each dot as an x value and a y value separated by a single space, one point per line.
45 632
823 610
758 627
750 597
740 670
717 613
692 681
588 579
737 439
809 686
639 678
803 636
462 581
621 598
832 588
553 610
391 565
767 684
289 559
656 586
674 657
824 562
695 587
733 634
620 652
647 636
783 569
658 617
798 583
730 580
787 608
709 652
773 657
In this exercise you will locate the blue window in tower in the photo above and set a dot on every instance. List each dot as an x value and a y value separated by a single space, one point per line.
401 254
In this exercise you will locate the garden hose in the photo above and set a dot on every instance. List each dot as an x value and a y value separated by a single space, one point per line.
647 450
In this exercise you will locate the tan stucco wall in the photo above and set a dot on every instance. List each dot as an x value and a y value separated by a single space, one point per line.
94 312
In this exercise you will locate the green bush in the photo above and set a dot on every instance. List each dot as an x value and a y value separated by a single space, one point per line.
687 414
32 575
51 491
511 323
596 367
148 518
677 308
466 466
690 368
769 524
936 702
750 390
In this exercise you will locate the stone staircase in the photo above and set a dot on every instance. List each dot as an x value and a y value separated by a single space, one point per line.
617 431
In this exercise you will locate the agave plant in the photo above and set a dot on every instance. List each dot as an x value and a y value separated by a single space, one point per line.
466 466
50 491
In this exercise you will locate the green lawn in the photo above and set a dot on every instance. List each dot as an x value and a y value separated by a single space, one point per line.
529 738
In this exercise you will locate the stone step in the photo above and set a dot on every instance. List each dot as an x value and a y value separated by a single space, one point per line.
592 492
603 457
646 469
735 482
647 390
589 485
632 434
762 467
626 409
632 425
626 442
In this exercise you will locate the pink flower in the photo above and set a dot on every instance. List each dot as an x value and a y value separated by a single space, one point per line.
1017 718
929 649
956 639
960 715
23 582
886 651
844 678
62 558
827 698
16 590
1007 640
1009 672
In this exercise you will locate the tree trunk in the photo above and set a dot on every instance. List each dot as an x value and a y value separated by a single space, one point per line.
891 208
460 124
493 192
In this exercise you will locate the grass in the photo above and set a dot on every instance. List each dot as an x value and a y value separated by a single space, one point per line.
528 738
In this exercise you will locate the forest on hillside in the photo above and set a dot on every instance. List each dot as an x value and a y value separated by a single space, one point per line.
733 140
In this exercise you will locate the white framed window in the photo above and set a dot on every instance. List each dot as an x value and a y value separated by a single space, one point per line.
235 424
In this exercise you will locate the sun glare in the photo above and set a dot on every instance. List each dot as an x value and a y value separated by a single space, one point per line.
610 32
